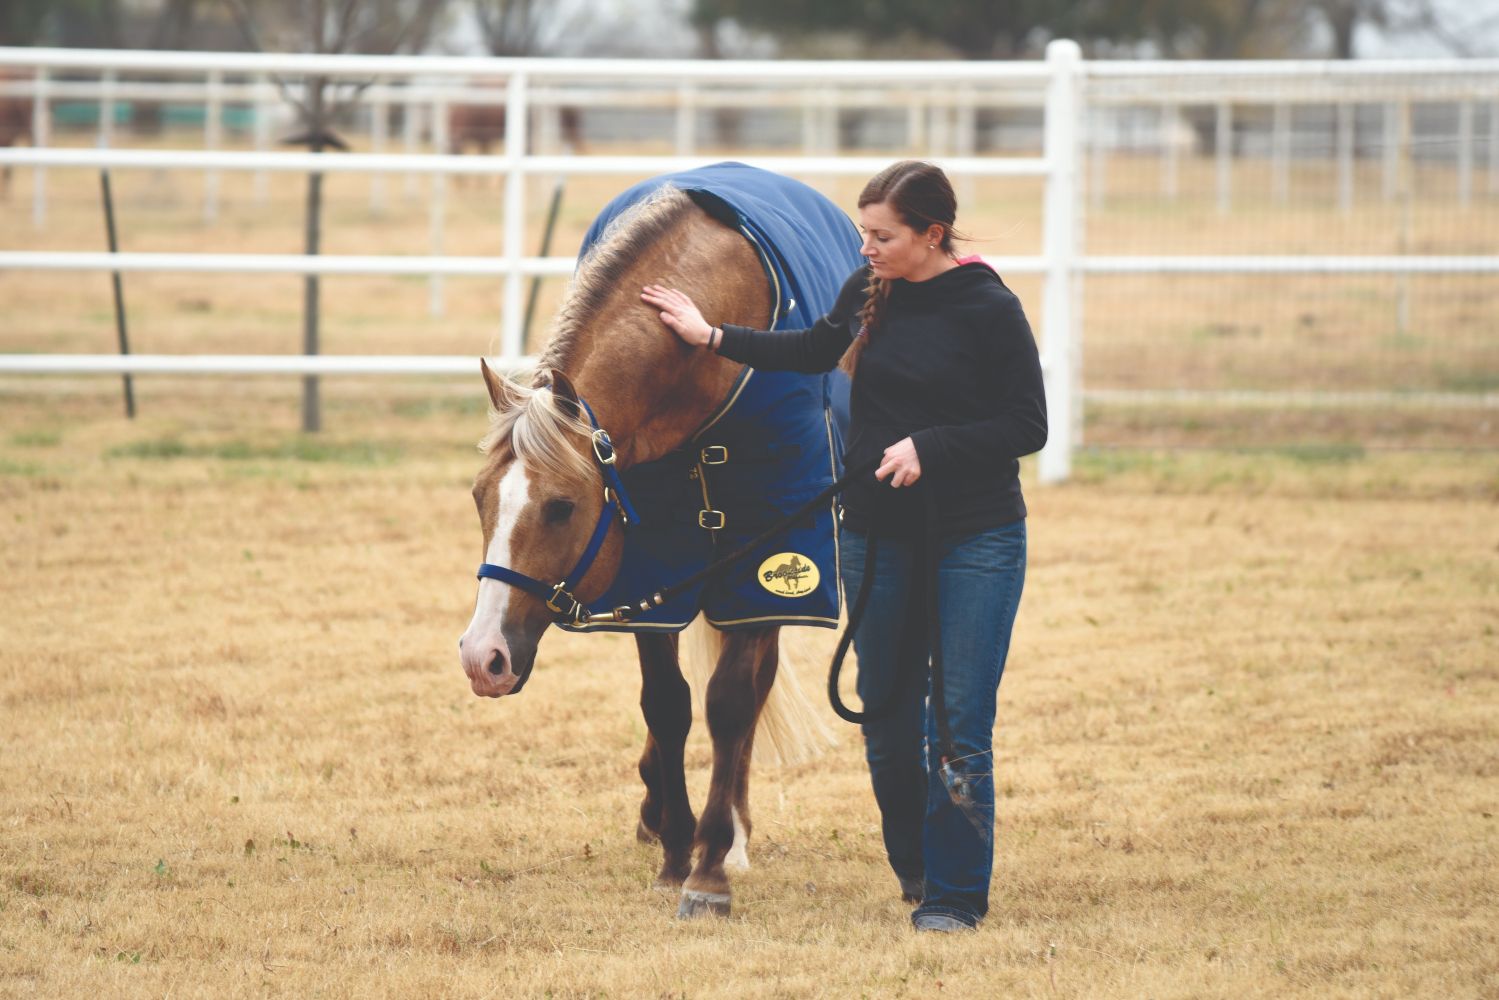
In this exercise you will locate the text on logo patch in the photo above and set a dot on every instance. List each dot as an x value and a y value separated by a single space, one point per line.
788 574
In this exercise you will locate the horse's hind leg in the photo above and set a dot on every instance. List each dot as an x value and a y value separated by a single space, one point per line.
665 812
734 702
765 677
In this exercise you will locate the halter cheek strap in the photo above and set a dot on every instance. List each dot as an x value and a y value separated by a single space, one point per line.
558 597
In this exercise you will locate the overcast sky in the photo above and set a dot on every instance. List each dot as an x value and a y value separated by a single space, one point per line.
643 28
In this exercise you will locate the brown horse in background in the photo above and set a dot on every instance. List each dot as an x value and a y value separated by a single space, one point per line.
482 126
540 495
15 124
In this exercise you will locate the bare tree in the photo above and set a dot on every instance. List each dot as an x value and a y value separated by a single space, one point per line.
328 26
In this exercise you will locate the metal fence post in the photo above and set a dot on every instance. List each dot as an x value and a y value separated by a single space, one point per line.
1059 246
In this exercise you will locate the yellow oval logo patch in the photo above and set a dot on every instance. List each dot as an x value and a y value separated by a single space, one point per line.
788 574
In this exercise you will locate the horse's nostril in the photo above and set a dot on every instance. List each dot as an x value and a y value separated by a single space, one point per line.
460 643
497 665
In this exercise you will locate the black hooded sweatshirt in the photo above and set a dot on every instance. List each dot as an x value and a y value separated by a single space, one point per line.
952 365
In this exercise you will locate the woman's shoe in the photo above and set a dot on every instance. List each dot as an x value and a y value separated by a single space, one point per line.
939 922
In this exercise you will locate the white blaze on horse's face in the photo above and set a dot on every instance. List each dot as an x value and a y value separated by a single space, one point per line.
484 651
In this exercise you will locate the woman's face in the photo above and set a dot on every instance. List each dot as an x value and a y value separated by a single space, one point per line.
894 249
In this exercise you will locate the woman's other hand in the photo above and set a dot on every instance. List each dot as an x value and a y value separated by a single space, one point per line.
679 313
900 463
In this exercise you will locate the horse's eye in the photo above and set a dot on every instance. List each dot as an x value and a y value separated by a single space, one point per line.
558 511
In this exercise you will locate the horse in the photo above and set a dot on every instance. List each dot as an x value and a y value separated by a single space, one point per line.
483 125
15 123
613 390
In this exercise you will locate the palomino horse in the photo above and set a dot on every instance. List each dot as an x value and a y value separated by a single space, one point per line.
544 496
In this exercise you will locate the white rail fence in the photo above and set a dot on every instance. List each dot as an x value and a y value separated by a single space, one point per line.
941 98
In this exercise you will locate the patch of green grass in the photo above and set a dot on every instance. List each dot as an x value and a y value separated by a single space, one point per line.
1468 380
297 449
1243 470
37 439
1403 340
159 448
19 469
476 405
1327 453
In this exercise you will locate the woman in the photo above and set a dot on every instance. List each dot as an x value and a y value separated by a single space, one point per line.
947 390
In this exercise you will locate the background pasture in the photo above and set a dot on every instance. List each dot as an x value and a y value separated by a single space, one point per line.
1247 740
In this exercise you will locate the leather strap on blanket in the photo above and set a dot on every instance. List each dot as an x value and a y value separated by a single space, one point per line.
625 612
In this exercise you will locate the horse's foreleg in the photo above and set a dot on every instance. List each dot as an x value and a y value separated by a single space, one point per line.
734 701
666 702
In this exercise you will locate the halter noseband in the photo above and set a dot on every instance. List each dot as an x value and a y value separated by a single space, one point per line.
558 597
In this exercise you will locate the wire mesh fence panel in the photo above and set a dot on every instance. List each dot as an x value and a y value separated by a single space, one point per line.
1253 163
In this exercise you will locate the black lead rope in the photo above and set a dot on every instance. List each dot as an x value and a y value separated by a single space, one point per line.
959 784
625 612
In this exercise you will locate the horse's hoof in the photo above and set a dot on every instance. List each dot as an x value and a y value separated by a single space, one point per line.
702 904
645 834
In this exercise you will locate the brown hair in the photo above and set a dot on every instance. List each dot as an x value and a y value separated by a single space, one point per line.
922 196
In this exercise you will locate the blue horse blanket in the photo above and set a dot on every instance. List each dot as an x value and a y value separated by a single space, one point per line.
771 445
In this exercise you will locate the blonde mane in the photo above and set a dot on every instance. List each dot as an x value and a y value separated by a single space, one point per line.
627 239
541 432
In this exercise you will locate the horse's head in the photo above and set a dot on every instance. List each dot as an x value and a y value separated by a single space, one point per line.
540 497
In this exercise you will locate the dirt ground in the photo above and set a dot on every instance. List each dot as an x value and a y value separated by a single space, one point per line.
1247 743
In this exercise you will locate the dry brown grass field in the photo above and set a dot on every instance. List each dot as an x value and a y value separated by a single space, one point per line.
1247 743
1247 738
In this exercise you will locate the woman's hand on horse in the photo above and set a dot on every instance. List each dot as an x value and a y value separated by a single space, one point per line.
679 314
901 464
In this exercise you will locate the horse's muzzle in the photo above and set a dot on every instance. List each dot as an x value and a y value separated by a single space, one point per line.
494 673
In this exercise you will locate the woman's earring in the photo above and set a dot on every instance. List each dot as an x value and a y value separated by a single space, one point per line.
931 246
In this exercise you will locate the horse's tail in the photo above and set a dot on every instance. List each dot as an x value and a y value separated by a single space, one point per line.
790 730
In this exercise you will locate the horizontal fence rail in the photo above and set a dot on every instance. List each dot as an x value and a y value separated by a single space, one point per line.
254 364
361 163
244 263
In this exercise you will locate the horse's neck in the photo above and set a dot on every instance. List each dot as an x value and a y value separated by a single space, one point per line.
650 393
649 390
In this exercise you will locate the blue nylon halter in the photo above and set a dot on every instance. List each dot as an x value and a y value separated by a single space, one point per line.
558 597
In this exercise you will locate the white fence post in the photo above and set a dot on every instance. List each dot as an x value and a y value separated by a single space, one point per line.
379 136
1280 153
1494 146
107 108
686 124
265 100
1344 114
1060 250
41 135
213 120
1170 124
1391 144
515 213
437 209
1224 150
1465 153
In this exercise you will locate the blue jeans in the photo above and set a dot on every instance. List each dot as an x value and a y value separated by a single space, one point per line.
979 580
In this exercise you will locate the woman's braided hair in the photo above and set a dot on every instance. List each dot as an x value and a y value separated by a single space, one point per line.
922 196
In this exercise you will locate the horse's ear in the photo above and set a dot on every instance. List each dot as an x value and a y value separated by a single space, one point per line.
499 392
565 394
